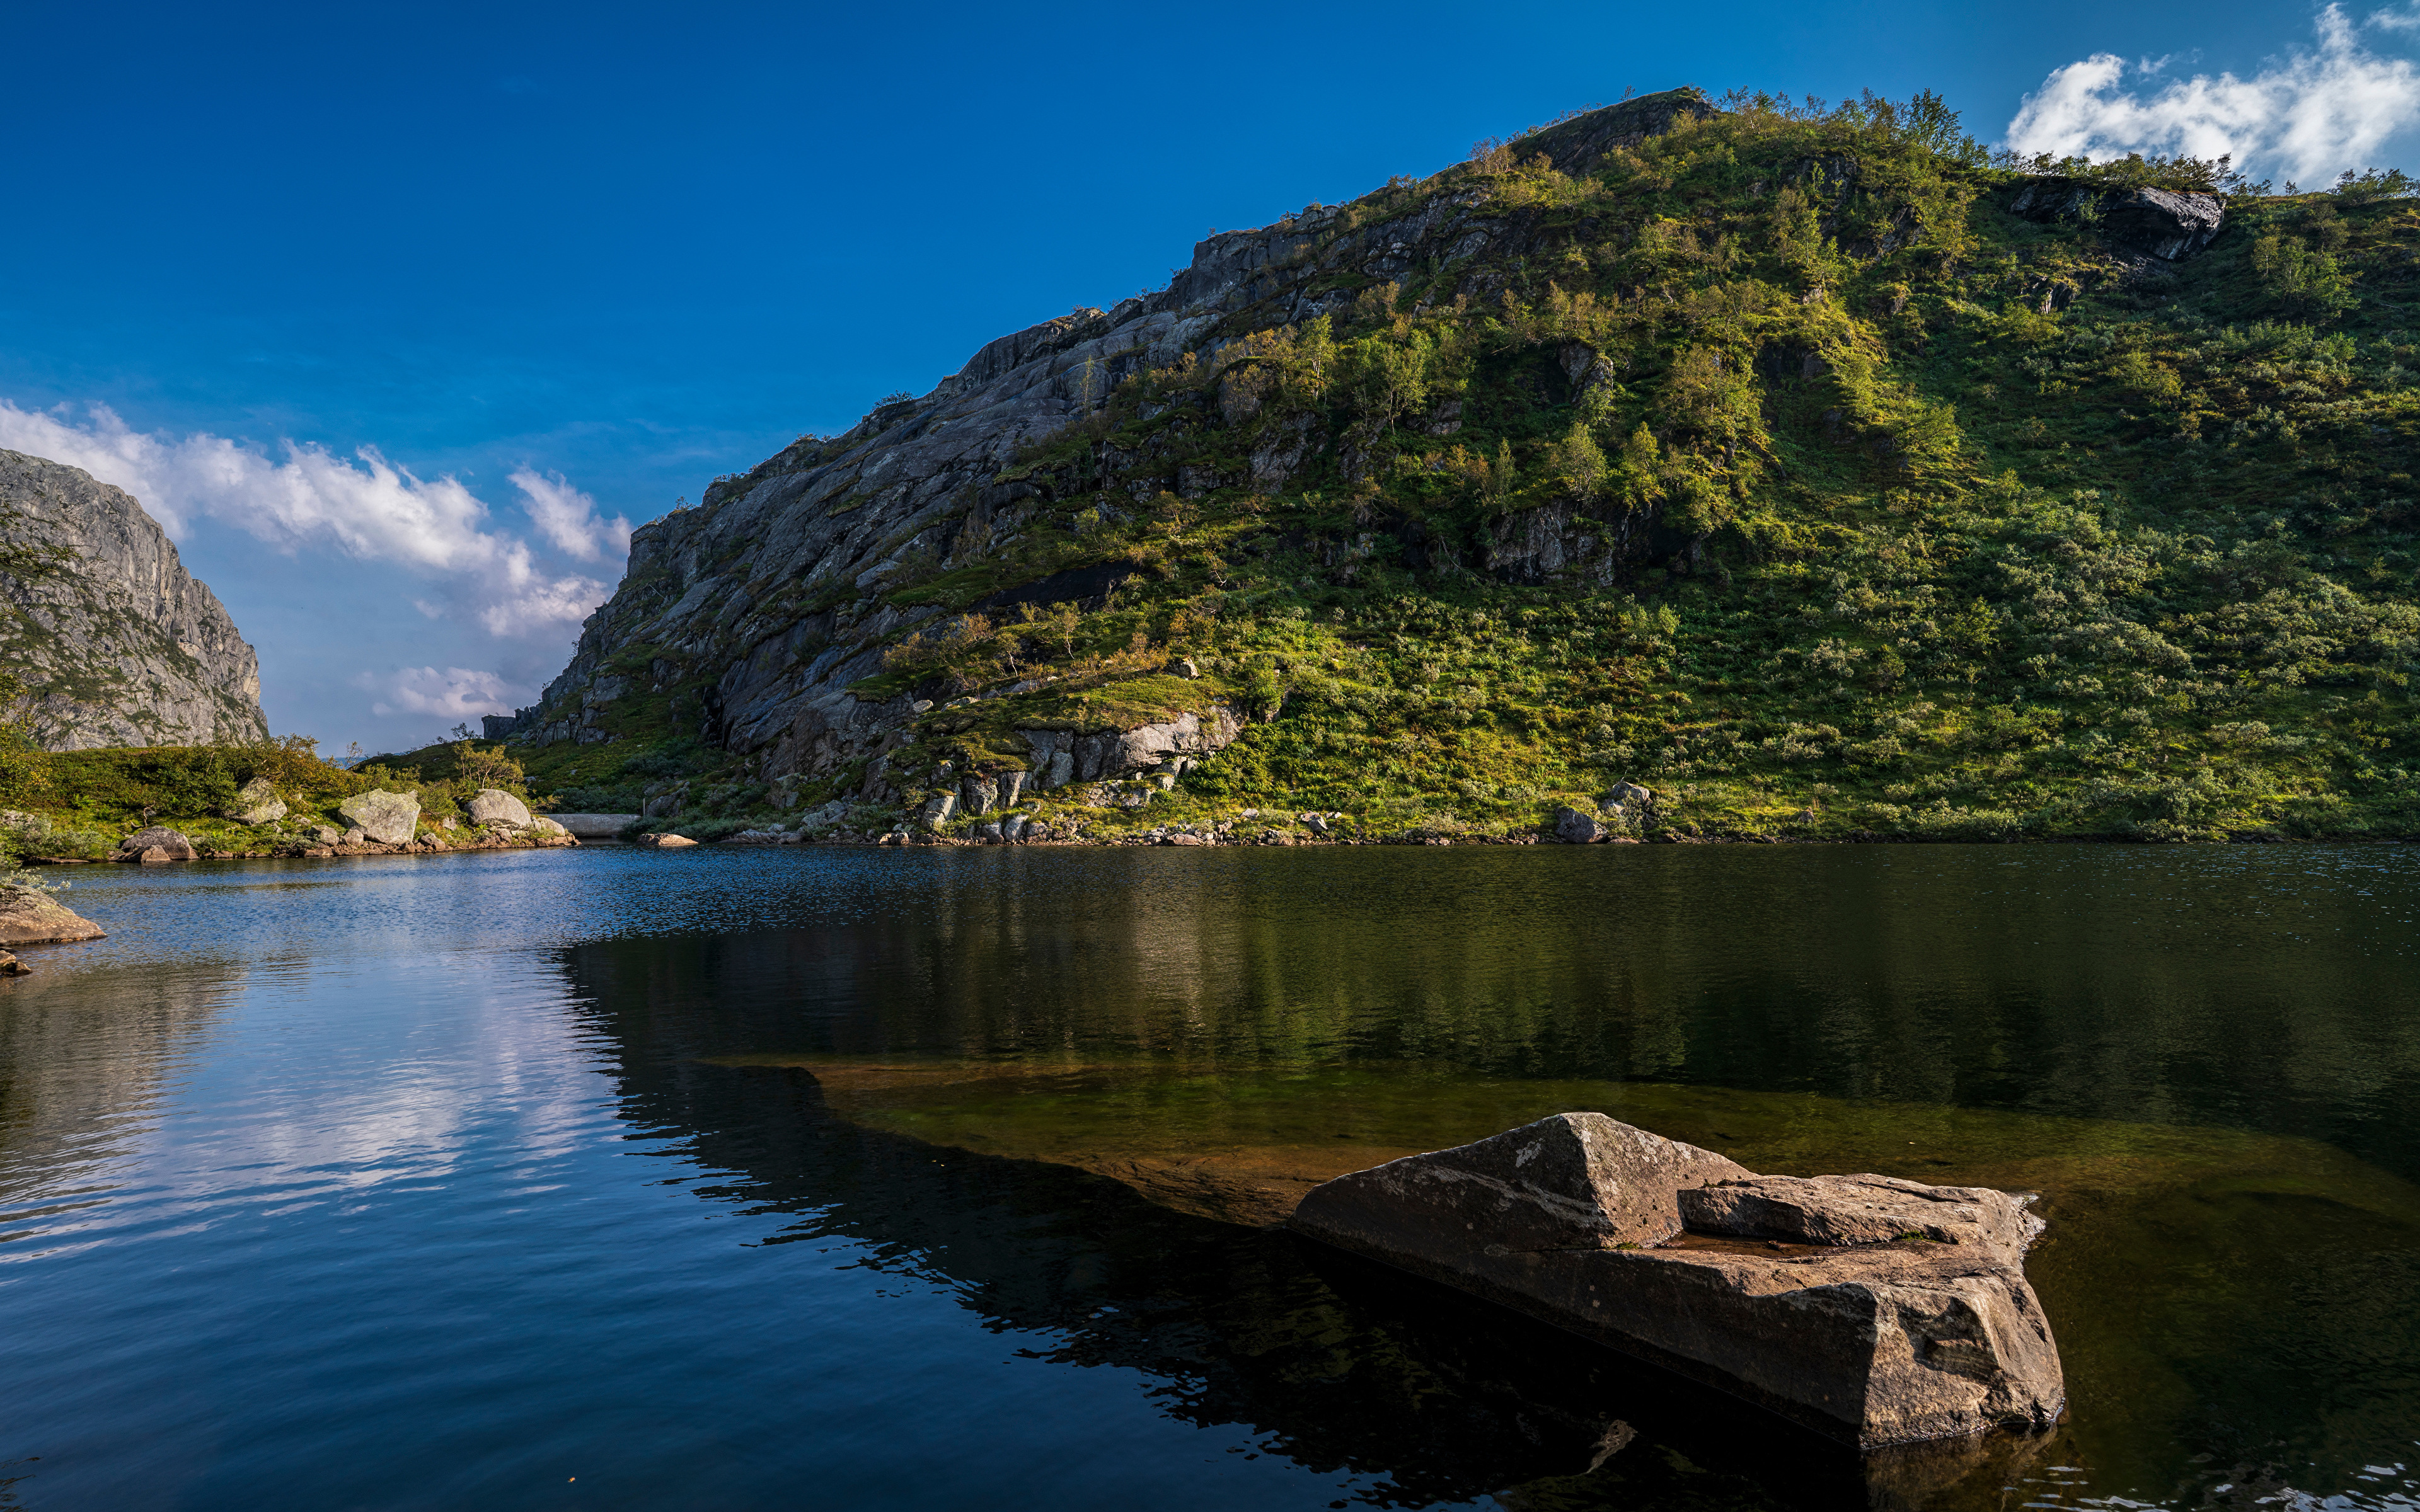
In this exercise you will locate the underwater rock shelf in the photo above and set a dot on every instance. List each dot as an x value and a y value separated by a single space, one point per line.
1871 1309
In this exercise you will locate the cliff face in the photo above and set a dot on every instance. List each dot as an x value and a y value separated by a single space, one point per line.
120 646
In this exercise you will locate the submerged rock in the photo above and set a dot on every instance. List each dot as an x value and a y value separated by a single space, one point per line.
30 918
1876 1310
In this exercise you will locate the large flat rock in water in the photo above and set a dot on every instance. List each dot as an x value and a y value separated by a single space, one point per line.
33 918
1872 1309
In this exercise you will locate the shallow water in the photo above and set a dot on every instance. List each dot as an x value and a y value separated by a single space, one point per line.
847 1177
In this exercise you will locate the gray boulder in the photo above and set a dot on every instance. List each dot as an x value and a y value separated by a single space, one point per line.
1810 1297
172 845
1631 796
1573 827
257 803
548 826
388 818
494 806
937 809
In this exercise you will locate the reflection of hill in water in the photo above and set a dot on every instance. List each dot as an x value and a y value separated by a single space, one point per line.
2156 1039
85 1057
1341 1367
2269 990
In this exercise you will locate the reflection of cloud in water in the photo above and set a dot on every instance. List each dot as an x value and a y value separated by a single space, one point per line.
89 1061
86 1062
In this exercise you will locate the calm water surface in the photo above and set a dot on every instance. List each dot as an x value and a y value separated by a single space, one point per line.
846 1178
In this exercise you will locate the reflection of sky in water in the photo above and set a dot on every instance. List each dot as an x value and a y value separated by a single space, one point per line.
442 1181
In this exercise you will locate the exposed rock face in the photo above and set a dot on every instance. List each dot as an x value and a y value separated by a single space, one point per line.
119 644
666 842
774 589
494 806
29 917
2154 222
388 818
1807 1296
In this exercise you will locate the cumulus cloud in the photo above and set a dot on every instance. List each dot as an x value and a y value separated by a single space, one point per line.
569 518
457 693
2309 115
364 506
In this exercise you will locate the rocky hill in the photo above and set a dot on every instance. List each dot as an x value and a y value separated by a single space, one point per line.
1799 468
118 645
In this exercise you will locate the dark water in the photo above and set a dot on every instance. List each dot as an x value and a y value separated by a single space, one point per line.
818 1178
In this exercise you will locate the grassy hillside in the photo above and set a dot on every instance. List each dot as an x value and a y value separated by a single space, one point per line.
1784 470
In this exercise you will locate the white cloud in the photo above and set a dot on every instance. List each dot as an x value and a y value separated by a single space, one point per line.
364 507
569 518
2309 115
458 693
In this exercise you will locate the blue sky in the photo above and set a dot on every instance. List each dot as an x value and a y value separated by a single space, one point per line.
319 283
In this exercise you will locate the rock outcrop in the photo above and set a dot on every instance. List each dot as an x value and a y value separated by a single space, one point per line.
1876 1310
119 643
2150 223
31 917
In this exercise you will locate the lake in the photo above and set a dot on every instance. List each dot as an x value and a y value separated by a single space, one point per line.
935 1177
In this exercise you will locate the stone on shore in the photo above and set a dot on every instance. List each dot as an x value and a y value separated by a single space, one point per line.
494 806
257 803
1812 1297
31 917
388 818
11 966
1573 827
548 827
157 837
666 842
